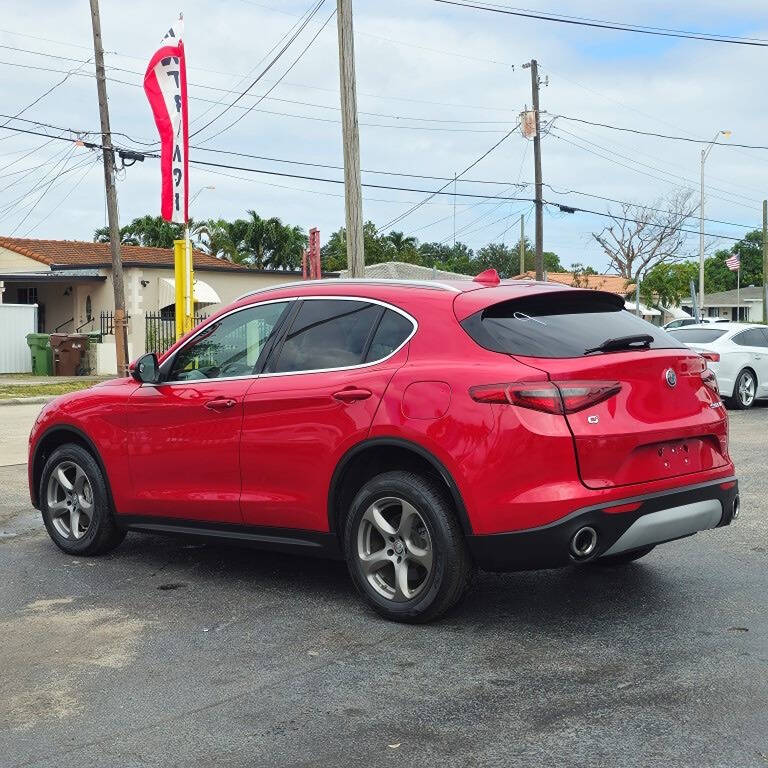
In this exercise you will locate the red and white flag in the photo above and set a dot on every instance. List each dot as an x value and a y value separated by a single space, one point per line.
165 84
733 263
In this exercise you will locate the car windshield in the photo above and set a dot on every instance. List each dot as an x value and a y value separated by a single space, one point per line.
697 335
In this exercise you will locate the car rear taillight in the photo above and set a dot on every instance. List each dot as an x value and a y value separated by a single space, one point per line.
713 357
547 396
710 380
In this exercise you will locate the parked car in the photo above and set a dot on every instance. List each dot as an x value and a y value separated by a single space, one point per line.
683 321
420 430
737 353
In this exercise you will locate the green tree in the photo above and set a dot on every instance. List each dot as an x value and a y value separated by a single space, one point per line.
451 258
497 256
667 284
148 231
717 276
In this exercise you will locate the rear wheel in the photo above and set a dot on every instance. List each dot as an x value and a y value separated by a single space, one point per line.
744 390
75 503
623 557
405 549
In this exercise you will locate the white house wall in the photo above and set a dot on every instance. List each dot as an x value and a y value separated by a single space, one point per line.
10 261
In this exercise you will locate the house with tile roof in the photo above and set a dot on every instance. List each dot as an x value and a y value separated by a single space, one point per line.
71 283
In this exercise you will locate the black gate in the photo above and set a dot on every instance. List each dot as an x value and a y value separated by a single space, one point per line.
160 333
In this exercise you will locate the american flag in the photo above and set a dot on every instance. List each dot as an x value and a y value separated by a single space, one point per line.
733 263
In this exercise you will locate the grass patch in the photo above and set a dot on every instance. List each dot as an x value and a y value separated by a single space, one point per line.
42 390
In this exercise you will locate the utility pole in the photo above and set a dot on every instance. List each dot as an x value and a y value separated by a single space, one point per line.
534 66
353 196
120 326
765 260
522 245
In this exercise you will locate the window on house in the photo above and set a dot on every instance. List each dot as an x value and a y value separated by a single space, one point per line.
26 295
88 309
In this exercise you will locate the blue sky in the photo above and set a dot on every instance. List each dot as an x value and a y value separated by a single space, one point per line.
436 89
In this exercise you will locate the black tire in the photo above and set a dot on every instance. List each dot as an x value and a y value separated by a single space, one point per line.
451 571
97 532
624 557
737 400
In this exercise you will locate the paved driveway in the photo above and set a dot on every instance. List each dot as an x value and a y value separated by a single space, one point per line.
171 654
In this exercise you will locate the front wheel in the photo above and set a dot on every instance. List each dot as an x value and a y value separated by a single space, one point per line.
744 391
75 503
405 549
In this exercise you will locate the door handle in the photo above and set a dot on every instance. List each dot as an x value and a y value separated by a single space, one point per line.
352 395
220 404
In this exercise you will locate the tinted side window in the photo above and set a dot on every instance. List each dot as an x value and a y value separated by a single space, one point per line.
327 333
754 337
228 347
393 330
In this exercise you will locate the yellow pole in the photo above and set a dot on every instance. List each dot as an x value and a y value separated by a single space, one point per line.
179 254
189 297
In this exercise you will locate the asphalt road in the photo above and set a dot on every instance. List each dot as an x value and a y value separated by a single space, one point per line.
170 654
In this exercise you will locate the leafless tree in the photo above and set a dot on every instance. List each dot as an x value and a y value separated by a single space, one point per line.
640 237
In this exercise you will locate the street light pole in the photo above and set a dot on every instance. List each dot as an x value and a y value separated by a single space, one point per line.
704 155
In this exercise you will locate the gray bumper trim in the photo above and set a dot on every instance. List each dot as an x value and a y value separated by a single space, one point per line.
668 524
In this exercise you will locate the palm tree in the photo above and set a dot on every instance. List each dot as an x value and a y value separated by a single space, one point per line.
225 239
288 246
261 238
401 243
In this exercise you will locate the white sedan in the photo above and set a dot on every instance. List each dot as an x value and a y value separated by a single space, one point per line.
737 353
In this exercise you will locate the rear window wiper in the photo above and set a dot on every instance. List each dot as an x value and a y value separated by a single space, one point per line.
637 341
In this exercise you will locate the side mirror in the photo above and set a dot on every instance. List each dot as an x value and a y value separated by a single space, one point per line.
146 369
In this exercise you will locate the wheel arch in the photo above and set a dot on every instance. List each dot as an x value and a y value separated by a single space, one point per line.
736 380
388 453
49 441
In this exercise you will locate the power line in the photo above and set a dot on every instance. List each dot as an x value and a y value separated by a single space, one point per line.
619 26
431 193
266 69
658 135
645 165
458 176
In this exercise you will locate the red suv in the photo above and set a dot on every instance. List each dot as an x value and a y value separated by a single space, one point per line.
417 429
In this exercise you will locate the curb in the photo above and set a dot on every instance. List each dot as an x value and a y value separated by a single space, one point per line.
28 400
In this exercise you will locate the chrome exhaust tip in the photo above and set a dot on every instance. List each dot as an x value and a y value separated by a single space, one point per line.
736 508
583 543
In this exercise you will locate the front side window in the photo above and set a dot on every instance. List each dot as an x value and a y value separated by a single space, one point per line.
328 333
230 346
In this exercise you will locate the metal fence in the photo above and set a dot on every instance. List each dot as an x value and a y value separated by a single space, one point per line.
160 330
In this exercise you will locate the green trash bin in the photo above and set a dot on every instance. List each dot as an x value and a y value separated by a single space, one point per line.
94 338
42 357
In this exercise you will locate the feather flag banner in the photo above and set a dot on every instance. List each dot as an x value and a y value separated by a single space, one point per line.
165 84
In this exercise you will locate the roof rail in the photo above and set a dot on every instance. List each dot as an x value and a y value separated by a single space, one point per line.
430 284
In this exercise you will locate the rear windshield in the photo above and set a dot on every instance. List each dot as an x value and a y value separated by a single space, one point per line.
697 335
561 324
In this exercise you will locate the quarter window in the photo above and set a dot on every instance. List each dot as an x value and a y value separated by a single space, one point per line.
230 346
754 337
328 333
393 330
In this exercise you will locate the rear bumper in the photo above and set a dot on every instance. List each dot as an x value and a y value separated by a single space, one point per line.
659 517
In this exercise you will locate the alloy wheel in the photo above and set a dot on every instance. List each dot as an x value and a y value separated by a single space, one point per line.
69 497
746 389
395 549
